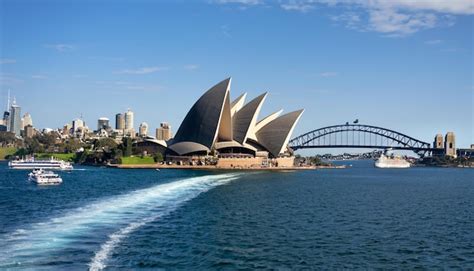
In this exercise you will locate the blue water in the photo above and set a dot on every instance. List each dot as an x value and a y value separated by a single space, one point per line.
360 217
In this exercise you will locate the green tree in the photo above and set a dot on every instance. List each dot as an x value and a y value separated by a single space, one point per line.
107 144
158 157
33 145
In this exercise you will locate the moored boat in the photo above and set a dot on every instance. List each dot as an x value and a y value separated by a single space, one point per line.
31 163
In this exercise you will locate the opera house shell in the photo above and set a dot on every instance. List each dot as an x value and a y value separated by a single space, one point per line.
214 123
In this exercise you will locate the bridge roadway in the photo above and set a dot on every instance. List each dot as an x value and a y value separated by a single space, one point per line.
359 136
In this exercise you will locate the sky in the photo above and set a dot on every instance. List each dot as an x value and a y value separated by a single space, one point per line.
399 64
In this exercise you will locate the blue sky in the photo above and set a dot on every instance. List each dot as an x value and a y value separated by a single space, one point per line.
404 65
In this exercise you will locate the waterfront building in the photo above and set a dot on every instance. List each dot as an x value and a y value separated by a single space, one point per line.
232 129
129 120
143 129
120 121
103 124
27 120
15 119
465 153
163 132
450 144
438 142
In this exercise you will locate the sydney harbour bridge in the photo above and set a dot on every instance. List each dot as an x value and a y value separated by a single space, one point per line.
359 136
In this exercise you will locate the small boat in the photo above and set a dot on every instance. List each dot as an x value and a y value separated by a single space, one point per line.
157 169
42 177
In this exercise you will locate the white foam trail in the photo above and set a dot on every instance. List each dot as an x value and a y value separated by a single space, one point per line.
126 212
100 258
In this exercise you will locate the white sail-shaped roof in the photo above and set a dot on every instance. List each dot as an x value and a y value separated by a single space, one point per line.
245 119
274 136
237 104
202 123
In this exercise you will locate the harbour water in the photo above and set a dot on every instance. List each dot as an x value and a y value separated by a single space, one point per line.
359 217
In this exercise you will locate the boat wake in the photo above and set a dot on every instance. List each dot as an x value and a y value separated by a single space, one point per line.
99 227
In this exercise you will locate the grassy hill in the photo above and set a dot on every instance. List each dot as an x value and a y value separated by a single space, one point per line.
5 151
137 160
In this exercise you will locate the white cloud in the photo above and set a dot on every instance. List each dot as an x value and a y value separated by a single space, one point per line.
394 23
351 20
191 67
391 17
144 70
39 76
300 6
328 74
240 2
7 79
433 42
60 47
4 61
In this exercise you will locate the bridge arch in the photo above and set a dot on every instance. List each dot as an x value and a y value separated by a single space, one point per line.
382 138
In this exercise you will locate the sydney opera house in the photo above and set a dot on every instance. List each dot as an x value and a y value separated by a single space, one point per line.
232 129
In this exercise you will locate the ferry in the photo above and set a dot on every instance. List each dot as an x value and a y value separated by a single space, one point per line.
391 161
31 163
41 177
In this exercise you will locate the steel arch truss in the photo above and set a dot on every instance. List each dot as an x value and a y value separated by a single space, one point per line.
357 136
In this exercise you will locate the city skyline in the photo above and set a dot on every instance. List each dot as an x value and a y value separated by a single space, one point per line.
341 69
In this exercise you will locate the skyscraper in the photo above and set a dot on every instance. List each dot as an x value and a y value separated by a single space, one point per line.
129 120
103 123
77 124
27 120
119 121
164 132
15 119
6 120
143 129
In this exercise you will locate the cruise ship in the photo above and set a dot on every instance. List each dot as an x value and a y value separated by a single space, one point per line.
31 163
391 161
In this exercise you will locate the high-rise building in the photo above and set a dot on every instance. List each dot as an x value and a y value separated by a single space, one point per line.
103 123
29 131
15 119
450 144
6 120
438 142
119 121
143 129
77 124
163 132
129 120
27 120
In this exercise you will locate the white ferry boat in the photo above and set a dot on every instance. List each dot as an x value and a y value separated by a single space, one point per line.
43 164
391 161
41 177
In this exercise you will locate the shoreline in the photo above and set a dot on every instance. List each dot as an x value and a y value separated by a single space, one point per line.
189 167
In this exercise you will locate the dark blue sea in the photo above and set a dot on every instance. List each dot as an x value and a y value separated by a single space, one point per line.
355 218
